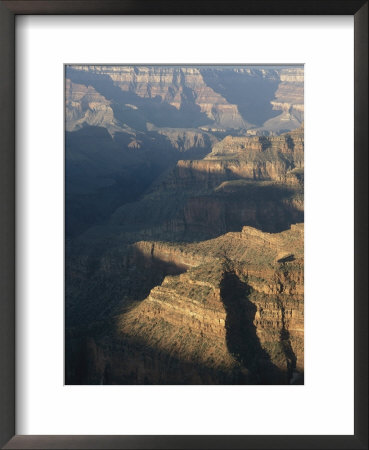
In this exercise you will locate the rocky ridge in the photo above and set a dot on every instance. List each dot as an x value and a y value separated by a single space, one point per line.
193 271
234 314
200 95
244 180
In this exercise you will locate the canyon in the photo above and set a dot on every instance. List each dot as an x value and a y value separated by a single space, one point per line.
184 225
228 310
217 97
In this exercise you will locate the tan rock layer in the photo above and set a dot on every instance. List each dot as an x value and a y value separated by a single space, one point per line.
186 316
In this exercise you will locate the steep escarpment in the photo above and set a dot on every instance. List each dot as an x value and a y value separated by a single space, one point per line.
184 203
105 171
126 125
164 96
85 106
261 148
184 211
290 93
234 315
256 181
173 96
193 310
270 98
187 139
250 158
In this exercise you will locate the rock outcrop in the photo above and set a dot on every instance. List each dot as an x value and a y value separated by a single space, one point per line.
184 203
85 106
204 96
290 93
184 140
234 315
256 181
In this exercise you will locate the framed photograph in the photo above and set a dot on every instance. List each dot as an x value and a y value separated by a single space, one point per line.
184 225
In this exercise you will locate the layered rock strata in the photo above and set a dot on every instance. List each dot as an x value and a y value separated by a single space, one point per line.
234 316
208 94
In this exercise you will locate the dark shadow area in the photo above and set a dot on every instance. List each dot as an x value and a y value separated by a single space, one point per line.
298 378
242 340
152 110
286 344
252 94
287 258
96 355
290 142
191 205
128 360
104 292
265 142
102 173
147 271
189 216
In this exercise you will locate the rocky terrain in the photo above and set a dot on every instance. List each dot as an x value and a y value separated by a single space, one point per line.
237 308
184 223
217 97
231 312
255 181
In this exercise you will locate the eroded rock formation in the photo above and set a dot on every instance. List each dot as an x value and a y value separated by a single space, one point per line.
234 314
188 266
215 97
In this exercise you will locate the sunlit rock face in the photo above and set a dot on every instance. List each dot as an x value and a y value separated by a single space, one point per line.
262 100
85 106
229 311
256 181
184 225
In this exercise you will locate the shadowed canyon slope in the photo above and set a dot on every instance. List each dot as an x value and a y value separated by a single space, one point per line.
218 97
255 181
184 225
231 311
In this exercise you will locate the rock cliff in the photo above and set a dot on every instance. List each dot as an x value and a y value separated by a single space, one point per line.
85 106
217 97
234 315
184 203
256 181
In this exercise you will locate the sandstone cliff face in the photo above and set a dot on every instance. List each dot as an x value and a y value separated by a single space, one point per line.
256 181
234 316
291 143
184 140
213 172
202 92
177 86
189 278
254 158
290 92
289 98
152 252
85 106
200 208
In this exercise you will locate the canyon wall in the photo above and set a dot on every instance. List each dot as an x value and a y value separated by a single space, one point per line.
211 96
235 315
184 203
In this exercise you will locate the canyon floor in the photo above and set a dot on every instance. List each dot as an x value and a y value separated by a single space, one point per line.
184 225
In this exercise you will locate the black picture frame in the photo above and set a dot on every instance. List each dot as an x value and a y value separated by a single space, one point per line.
8 12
